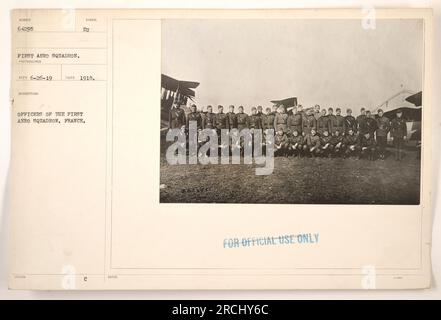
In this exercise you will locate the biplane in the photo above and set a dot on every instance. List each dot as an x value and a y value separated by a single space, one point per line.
174 92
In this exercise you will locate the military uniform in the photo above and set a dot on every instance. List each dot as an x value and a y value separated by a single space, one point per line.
317 115
194 116
254 122
337 144
242 121
351 142
232 120
280 144
325 144
332 120
371 125
308 123
350 124
398 130
262 120
383 127
181 136
361 124
281 122
209 121
176 118
294 122
202 113
313 143
296 144
222 121
323 125
367 147
302 113
337 123
268 121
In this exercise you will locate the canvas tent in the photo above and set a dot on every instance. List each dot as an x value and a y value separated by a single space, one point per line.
403 100
410 103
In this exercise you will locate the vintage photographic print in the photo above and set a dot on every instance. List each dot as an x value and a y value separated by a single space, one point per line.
252 149
291 111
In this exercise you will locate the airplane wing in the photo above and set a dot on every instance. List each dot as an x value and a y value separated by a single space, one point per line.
416 99
288 102
410 114
189 84
172 84
187 92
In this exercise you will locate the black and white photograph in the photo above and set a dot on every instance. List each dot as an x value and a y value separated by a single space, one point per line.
329 111
217 151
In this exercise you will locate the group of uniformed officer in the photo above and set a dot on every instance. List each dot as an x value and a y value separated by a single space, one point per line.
311 132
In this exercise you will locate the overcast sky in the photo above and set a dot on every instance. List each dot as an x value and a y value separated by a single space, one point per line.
328 62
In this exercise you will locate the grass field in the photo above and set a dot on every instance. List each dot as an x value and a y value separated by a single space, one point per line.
296 180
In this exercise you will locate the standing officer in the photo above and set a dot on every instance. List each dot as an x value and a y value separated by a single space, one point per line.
300 110
259 111
339 124
383 127
350 122
308 123
254 119
281 119
194 115
323 123
263 119
221 124
317 113
242 119
361 122
371 123
268 119
332 121
209 120
398 132
294 121
232 118
202 113
176 117
254 122
221 119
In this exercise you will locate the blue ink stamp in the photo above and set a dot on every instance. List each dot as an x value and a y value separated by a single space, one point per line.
286 239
